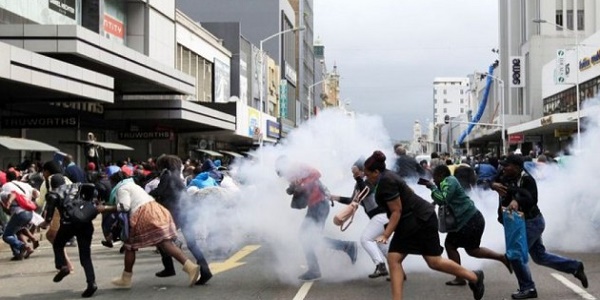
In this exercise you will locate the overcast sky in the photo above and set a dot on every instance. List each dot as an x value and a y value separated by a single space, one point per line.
389 51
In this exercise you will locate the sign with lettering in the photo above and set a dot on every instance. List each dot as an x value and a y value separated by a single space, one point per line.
290 73
40 122
273 129
562 67
64 7
113 27
145 135
516 138
517 64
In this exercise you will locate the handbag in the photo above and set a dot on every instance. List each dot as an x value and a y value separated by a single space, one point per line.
515 235
347 214
446 219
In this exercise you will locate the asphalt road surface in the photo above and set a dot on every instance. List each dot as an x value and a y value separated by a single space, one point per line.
248 273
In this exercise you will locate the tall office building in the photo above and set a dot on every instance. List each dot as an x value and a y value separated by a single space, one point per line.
450 97
259 20
306 57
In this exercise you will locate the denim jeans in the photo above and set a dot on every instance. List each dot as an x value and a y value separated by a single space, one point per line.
15 223
312 229
537 250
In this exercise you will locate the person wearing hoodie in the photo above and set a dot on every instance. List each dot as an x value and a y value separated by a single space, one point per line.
170 192
209 166
308 192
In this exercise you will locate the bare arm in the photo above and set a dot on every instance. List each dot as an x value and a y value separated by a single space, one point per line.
395 207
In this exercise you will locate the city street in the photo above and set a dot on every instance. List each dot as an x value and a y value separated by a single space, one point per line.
247 275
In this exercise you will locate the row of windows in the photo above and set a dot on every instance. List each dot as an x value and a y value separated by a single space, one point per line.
435 110
462 92
566 101
462 100
194 65
560 19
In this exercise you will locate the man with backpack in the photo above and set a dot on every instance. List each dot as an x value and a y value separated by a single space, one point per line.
59 197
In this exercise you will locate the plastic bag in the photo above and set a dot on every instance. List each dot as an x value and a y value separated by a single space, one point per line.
515 236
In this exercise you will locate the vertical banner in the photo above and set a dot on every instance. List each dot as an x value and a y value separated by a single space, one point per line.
517 71
283 99
221 81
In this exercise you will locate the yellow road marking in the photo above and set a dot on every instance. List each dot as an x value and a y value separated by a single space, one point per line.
233 261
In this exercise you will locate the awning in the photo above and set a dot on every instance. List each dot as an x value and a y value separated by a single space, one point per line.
104 145
210 152
234 154
24 144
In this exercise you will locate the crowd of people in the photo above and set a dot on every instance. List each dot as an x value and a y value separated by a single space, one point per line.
142 205
145 204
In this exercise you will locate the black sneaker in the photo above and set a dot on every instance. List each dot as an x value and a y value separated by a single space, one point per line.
310 276
525 294
165 273
205 276
62 273
89 292
580 274
478 288
380 270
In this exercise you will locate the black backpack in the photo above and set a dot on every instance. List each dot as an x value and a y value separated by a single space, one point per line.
77 202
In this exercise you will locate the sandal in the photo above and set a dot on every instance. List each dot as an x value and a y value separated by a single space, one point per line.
456 282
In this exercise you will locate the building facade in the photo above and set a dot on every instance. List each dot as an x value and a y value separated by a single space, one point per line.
137 74
450 97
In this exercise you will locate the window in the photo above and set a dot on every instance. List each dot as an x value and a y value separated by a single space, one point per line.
462 110
462 92
445 92
580 20
445 110
559 19
435 110
570 19
462 101
434 91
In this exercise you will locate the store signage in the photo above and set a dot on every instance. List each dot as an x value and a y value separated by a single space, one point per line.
145 135
546 121
516 138
113 27
40 122
273 129
91 107
517 79
64 7
562 68
283 99
562 132
290 73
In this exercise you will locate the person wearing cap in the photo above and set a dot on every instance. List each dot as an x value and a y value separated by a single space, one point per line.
518 192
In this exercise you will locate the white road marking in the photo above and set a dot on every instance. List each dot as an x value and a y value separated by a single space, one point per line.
575 288
303 291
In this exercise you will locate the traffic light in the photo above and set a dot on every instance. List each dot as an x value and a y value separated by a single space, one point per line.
446 119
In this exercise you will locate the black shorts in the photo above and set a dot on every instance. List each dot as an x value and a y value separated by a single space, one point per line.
469 236
425 241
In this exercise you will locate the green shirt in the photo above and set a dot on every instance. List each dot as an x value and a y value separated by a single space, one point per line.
451 192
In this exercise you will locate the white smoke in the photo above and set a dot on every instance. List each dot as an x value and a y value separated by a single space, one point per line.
331 142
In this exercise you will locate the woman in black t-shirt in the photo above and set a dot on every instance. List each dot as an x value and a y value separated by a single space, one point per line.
414 225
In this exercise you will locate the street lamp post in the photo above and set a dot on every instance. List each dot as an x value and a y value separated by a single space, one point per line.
578 97
262 66
503 118
309 96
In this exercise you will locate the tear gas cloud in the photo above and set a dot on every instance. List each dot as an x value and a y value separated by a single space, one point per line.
331 142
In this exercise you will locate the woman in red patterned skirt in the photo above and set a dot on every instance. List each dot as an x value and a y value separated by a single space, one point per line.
150 224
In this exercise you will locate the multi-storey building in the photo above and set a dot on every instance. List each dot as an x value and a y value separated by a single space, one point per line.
261 20
306 57
529 39
137 74
450 97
